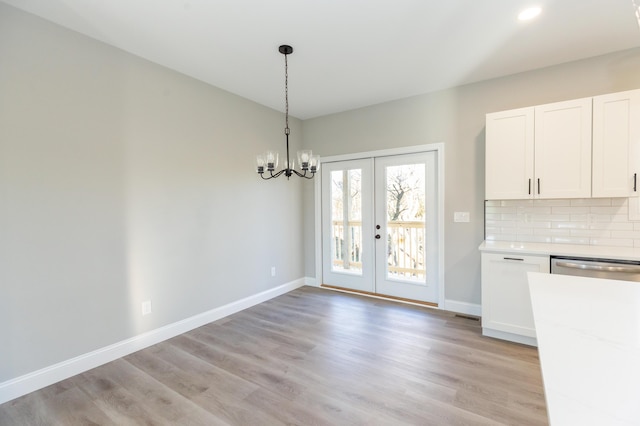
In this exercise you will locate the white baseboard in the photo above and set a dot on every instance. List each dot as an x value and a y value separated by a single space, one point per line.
511 337
463 307
39 379
311 282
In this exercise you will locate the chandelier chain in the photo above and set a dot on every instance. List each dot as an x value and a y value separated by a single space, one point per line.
286 93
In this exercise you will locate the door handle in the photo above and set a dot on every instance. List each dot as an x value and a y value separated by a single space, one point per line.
635 188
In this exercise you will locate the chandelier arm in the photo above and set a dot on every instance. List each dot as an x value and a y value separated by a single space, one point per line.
279 173
303 175
273 175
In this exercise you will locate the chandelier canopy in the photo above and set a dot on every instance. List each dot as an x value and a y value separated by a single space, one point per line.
267 163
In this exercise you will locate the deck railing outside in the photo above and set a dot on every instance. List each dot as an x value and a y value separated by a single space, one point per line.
405 248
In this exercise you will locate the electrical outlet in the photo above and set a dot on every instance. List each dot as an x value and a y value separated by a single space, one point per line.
146 307
461 216
273 271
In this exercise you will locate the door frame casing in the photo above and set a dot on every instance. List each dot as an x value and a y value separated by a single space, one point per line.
439 149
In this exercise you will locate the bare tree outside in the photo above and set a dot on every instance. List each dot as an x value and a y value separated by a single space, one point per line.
406 218
405 214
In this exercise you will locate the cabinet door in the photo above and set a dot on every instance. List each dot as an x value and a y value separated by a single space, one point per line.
506 304
509 154
563 149
616 140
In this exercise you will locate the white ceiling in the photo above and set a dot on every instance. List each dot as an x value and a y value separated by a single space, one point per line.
348 53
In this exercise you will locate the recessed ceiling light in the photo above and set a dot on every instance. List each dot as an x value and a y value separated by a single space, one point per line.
529 13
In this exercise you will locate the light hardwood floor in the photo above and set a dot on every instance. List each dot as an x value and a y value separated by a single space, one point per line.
310 357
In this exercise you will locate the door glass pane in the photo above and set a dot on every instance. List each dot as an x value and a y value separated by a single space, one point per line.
405 189
346 221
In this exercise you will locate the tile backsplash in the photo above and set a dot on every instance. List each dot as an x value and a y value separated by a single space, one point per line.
589 221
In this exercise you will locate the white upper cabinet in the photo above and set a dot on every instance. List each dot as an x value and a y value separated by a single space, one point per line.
509 154
539 152
563 149
616 141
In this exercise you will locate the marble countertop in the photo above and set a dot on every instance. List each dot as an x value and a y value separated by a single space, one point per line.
575 250
588 334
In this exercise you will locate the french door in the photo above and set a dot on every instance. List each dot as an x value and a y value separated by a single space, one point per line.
347 211
380 225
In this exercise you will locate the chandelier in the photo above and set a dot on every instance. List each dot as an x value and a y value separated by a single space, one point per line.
268 162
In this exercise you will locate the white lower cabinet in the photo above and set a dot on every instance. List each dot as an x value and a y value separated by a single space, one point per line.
506 304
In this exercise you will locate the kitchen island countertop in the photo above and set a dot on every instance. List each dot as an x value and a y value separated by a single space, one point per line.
588 334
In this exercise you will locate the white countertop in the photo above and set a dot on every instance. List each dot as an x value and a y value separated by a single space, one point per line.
588 334
575 250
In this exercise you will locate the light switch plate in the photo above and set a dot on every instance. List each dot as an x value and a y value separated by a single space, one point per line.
461 216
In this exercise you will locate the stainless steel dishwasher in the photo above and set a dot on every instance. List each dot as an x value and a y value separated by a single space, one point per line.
626 270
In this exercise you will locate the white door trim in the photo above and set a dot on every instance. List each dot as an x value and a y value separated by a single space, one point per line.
439 148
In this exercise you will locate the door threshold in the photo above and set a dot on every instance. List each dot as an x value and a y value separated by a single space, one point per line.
381 296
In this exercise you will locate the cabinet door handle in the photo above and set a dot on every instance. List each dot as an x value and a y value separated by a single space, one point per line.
538 186
529 186
513 258
635 175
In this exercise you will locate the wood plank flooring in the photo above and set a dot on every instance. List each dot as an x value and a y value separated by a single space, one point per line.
309 357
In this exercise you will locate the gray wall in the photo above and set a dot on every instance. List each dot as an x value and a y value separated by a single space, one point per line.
122 181
457 118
